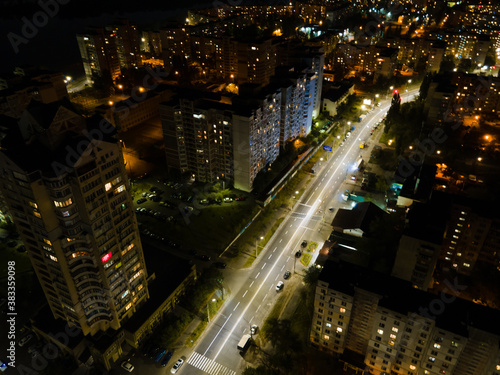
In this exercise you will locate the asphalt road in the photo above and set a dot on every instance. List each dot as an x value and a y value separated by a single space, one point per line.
254 296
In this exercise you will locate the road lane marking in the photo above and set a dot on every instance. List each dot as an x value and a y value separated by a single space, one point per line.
245 294
209 366
270 256
236 306
217 335
257 275
251 284
281 240
286 232
263 266
283 266
258 308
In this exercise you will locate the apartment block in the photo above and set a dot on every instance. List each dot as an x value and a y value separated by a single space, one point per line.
398 329
256 133
176 47
64 181
151 43
127 43
216 138
198 135
99 53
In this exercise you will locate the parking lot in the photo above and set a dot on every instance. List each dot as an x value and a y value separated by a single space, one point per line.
197 217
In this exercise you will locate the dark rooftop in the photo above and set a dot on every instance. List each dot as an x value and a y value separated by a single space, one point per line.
167 280
359 217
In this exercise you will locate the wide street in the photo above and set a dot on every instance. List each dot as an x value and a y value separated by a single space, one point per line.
254 294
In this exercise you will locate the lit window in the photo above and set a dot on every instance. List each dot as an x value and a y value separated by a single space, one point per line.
53 258
342 310
393 336
47 241
412 367
65 213
394 329
339 329
380 332
466 264
328 325
432 359
106 257
326 337
437 346
108 186
119 189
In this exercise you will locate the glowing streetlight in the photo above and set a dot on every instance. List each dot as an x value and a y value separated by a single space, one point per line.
438 152
411 147
110 102
479 159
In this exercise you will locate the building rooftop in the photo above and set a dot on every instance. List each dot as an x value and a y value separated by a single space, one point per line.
359 217
166 282
338 91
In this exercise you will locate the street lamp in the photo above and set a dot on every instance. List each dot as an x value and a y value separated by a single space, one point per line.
208 309
257 246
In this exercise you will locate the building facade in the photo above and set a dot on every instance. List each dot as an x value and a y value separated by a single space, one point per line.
398 329
69 199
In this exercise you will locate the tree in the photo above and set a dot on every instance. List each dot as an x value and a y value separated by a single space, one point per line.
490 59
447 64
311 276
464 66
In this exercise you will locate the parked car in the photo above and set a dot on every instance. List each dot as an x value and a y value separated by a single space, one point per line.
279 286
254 329
205 257
304 243
160 355
142 200
240 199
166 358
228 200
286 275
204 202
127 366
298 254
177 365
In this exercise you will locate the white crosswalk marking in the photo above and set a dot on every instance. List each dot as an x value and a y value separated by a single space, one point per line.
207 365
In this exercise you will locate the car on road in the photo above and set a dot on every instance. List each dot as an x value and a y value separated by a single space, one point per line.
228 200
26 339
142 200
279 286
127 366
304 243
220 265
177 365
298 254
254 329
286 275
204 202
166 358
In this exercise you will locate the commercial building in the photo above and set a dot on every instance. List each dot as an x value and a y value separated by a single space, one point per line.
64 182
335 96
394 328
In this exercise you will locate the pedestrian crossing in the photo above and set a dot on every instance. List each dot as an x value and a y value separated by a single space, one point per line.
205 364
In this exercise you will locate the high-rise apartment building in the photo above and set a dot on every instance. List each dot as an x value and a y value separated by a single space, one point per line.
64 181
99 53
127 43
176 46
396 329
216 138
198 137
